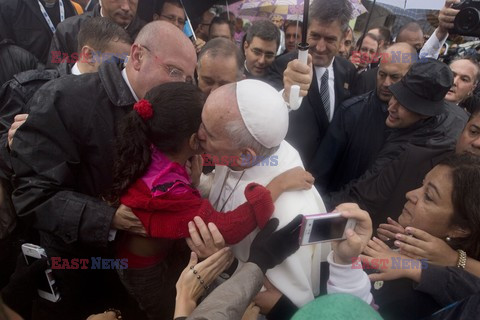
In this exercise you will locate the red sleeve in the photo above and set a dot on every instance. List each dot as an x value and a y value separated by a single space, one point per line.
168 217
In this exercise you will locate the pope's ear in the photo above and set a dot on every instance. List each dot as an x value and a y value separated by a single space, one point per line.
247 158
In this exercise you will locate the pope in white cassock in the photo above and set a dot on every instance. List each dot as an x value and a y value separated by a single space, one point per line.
249 120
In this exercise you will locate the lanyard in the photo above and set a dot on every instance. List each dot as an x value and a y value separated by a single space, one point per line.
47 18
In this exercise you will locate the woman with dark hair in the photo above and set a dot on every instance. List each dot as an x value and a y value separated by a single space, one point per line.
446 206
157 139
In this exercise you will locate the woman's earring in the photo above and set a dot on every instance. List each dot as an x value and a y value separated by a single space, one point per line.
448 239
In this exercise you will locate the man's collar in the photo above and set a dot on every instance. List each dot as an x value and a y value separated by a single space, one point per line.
125 77
75 70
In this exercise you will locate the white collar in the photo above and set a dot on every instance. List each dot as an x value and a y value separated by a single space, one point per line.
330 67
124 76
75 70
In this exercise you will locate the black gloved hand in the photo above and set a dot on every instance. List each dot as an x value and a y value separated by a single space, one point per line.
270 248
22 287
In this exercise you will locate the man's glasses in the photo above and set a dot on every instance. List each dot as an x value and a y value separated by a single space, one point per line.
173 72
174 19
259 53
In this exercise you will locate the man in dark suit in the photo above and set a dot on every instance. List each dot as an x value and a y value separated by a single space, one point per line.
333 76
31 24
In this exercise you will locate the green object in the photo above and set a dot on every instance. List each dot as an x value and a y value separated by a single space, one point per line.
337 306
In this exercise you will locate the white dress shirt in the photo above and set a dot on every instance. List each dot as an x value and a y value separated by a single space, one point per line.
319 71
124 75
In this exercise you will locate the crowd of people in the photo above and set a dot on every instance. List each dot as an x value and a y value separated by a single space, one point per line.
179 164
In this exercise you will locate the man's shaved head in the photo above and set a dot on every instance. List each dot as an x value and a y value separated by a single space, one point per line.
151 63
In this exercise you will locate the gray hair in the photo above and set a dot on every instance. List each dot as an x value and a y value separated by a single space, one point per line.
242 138
265 30
224 48
332 10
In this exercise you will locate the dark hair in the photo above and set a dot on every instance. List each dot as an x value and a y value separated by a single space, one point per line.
331 10
265 30
411 26
368 35
177 109
218 20
224 48
98 32
385 35
290 23
159 5
465 173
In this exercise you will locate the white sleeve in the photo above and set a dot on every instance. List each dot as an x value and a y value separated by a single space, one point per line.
345 279
300 99
431 48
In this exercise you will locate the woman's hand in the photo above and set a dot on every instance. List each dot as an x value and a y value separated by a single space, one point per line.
196 278
267 298
387 231
346 251
388 263
252 312
422 245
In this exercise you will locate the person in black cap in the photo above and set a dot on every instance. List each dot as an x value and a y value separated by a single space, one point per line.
425 129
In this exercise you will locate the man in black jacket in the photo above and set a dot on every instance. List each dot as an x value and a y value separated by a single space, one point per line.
63 154
425 128
358 130
24 22
333 77
64 44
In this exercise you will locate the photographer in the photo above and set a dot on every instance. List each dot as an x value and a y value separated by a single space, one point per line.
447 15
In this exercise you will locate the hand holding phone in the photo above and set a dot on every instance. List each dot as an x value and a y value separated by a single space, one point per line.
324 227
345 251
46 283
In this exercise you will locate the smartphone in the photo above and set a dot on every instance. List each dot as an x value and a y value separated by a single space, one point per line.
47 288
324 227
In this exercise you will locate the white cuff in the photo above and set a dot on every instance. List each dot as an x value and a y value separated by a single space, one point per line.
345 279
112 234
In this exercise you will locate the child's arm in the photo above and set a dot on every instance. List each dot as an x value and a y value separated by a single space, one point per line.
290 180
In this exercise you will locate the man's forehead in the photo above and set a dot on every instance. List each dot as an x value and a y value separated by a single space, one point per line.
325 27
221 63
261 44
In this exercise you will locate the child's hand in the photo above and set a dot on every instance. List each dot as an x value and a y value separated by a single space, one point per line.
294 179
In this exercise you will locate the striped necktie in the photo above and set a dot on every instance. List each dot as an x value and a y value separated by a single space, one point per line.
325 93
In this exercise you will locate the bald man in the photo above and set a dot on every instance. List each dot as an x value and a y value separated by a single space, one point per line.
358 129
412 34
220 62
62 157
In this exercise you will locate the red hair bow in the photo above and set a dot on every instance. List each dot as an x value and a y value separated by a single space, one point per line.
144 109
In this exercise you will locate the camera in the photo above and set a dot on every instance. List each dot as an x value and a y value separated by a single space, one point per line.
467 21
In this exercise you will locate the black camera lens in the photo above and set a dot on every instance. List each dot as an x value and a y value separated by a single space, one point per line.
467 19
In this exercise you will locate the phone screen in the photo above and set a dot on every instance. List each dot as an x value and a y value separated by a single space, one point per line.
327 229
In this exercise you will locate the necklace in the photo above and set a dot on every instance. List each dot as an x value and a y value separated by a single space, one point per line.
230 195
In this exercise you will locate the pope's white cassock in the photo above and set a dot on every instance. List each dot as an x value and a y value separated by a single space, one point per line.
298 277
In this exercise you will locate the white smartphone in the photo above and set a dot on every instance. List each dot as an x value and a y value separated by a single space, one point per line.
324 227
47 288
